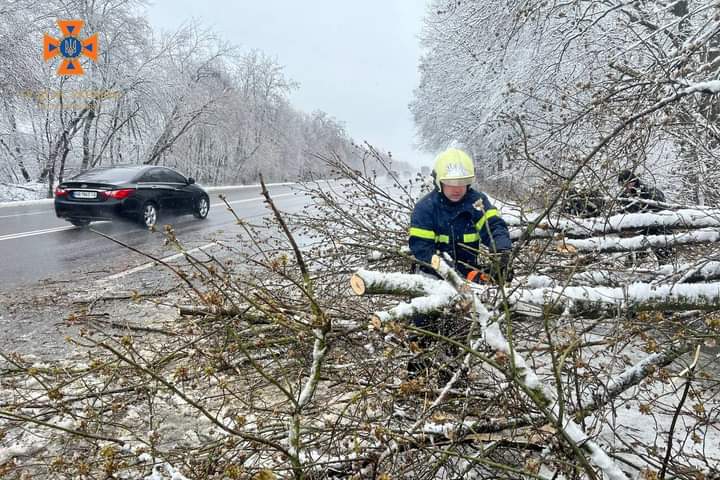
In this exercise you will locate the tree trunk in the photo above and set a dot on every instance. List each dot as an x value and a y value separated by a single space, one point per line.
365 282
60 149
15 150
87 155
163 141
634 297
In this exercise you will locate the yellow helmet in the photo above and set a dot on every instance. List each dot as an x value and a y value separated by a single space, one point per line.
453 167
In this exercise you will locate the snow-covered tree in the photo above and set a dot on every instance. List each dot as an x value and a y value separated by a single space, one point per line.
185 99
537 86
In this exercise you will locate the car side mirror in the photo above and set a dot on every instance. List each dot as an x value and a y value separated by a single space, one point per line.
191 180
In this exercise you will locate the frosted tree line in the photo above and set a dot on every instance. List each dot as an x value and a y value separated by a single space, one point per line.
186 99
541 87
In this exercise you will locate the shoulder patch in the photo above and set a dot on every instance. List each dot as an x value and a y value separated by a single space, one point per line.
479 205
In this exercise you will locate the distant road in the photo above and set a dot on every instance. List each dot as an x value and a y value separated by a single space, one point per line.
35 245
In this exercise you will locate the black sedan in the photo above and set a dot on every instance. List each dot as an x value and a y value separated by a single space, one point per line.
139 193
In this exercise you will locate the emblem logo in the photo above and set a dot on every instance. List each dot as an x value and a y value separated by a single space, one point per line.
70 47
457 170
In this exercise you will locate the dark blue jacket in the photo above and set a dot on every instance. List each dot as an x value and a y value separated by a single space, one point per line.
644 192
437 224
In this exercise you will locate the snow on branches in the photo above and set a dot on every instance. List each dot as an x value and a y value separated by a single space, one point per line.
563 378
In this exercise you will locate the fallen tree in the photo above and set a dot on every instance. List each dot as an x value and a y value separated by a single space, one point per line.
283 369
682 219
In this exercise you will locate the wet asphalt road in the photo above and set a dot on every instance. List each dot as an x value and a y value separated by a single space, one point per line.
59 282
37 247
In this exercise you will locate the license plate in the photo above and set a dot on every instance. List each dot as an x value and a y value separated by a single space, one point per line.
85 194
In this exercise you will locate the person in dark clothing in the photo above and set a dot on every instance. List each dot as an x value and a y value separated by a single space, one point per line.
633 189
455 219
632 194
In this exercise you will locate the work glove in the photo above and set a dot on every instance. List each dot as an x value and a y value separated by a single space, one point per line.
501 269
476 276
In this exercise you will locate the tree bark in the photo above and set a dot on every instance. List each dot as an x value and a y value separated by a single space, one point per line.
59 150
635 297
365 282
87 156
15 151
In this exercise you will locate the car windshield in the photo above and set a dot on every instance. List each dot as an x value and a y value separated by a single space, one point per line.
107 175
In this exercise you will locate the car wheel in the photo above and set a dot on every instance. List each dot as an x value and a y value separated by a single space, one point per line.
79 223
202 207
149 215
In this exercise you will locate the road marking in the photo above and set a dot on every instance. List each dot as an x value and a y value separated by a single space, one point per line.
251 199
145 266
13 236
24 214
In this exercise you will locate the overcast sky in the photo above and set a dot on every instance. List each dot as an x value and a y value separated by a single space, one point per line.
355 60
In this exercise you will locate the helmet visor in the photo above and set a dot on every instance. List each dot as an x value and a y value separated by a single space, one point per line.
457 182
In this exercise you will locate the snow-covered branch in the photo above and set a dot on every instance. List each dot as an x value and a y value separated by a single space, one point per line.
683 272
636 296
630 377
367 282
687 218
641 242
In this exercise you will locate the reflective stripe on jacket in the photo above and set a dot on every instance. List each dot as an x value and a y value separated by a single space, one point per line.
437 224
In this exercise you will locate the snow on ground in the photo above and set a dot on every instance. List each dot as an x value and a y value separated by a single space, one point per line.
634 424
22 192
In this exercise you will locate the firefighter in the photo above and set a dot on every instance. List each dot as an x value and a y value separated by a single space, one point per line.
455 219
